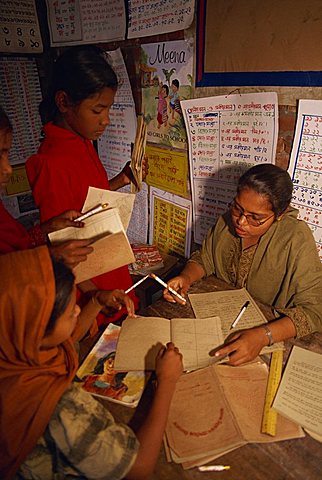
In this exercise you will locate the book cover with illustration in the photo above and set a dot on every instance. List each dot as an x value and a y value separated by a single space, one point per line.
166 79
97 376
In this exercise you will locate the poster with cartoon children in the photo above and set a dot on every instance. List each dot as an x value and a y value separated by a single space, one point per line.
166 79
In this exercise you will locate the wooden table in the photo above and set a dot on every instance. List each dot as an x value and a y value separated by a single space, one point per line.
299 459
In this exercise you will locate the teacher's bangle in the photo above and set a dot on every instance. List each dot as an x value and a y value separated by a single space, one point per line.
268 334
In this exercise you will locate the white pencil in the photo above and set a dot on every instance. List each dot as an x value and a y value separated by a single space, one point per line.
213 468
92 211
152 275
137 283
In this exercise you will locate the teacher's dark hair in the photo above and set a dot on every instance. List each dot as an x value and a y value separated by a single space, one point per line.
5 124
270 181
64 284
80 72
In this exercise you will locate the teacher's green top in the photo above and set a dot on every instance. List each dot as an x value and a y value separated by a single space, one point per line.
283 270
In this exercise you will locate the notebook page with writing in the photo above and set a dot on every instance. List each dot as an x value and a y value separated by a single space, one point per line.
195 338
99 225
227 304
142 337
122 201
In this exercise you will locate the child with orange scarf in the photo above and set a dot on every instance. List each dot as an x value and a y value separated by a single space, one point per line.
49 427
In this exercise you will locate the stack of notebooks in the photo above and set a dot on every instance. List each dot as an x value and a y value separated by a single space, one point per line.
216 408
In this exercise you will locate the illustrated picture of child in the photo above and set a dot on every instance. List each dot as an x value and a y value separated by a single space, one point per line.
162 116
105 380
174 97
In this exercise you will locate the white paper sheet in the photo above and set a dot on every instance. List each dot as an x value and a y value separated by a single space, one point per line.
226 135
305 167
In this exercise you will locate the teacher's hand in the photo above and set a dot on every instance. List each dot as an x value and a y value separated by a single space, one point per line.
181 285
243 346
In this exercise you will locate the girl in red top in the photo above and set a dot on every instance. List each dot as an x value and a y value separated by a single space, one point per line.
13 236
76 112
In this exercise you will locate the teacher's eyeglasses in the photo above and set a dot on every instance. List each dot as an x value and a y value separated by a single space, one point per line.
237 211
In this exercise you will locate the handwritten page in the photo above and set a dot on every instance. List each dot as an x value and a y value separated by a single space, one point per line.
153 17
193 337
114 146
111 248
227 304
83 21
120 200
305 167
19 79
109 252
299 395
20 32
226 135
170 222
168 170
98 225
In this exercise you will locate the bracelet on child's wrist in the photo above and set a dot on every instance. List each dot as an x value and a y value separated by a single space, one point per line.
268 334
96 301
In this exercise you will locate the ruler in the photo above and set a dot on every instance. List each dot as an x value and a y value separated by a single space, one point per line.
275 372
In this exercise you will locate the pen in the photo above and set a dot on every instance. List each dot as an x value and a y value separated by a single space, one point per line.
137 283
92 211
241 313
152 275
213 468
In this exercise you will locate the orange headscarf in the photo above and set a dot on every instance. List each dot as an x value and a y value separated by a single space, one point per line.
31 380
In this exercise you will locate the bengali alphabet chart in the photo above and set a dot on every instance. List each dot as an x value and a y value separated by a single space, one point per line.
19 27
170 223
19 80
306 167
75 22
152 17
226 136
114 146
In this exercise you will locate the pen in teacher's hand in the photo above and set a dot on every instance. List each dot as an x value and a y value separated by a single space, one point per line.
137 283
92 211
152 275
241 313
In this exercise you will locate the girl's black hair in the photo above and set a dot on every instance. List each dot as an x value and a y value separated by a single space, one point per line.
80 72
99 367
4 121
166 88
271 181
64 284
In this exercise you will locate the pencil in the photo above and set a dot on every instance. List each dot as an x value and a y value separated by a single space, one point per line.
213 468
241 313
92 211
152 275
137 283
